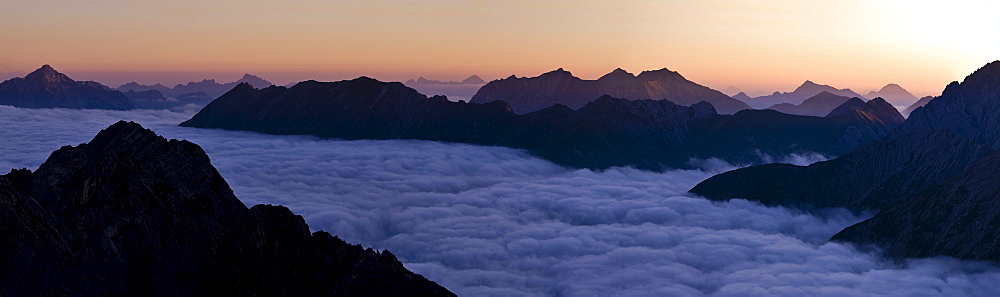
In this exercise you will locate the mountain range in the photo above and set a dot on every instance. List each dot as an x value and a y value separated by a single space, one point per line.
894 94
209 87
133 214
47 88
933 181
805 91
606 132
819 105
526 94
471 80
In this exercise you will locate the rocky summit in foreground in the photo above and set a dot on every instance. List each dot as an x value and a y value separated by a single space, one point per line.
528 94
133 214
933 183
47 88
606 132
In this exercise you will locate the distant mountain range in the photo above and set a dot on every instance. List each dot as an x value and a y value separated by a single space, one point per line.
208 86
133 214
805 91
934 181
47 88
527 95
606 132
819 105
894 94
471 80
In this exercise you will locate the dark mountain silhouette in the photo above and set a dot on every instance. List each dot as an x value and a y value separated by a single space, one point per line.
746 136
805 91
877 107
646 134
933 182
561 87
208 86
131 213
820 105
846 107
742 97
894 94
47 88
134 86
150 99
920 103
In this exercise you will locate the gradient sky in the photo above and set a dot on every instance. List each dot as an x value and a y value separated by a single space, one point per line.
758 46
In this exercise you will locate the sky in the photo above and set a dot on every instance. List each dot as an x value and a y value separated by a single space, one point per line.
757 46
494 221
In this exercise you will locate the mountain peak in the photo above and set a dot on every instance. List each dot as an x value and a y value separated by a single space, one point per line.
660 74
616 75
473 79
46 73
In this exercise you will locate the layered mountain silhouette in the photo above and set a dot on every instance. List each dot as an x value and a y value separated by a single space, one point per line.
208 86
894 94
743 97
820 105
560 87
606 132
47 88
805 91
920 103
471 80
133 214
934 182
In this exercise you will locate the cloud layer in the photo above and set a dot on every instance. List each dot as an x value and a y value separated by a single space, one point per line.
489 221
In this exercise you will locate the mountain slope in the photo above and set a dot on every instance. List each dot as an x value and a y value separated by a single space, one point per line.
920 103
957 218
131 213
47 88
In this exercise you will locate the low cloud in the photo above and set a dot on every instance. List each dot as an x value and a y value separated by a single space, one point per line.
496 221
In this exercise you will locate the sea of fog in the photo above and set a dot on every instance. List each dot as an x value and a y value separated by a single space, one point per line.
490 221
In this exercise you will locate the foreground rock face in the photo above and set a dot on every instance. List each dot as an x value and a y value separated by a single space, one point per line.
607 132
47 88
131 213
526 95
958 218
933 183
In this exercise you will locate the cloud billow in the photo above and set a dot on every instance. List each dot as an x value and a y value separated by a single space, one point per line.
496 221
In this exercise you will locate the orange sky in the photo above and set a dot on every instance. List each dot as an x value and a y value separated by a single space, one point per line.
758 46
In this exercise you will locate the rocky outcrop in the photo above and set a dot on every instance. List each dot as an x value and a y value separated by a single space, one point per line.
131 213
820 105
969 108
561 87
920 103
894 94
47 88
958 218
805 91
